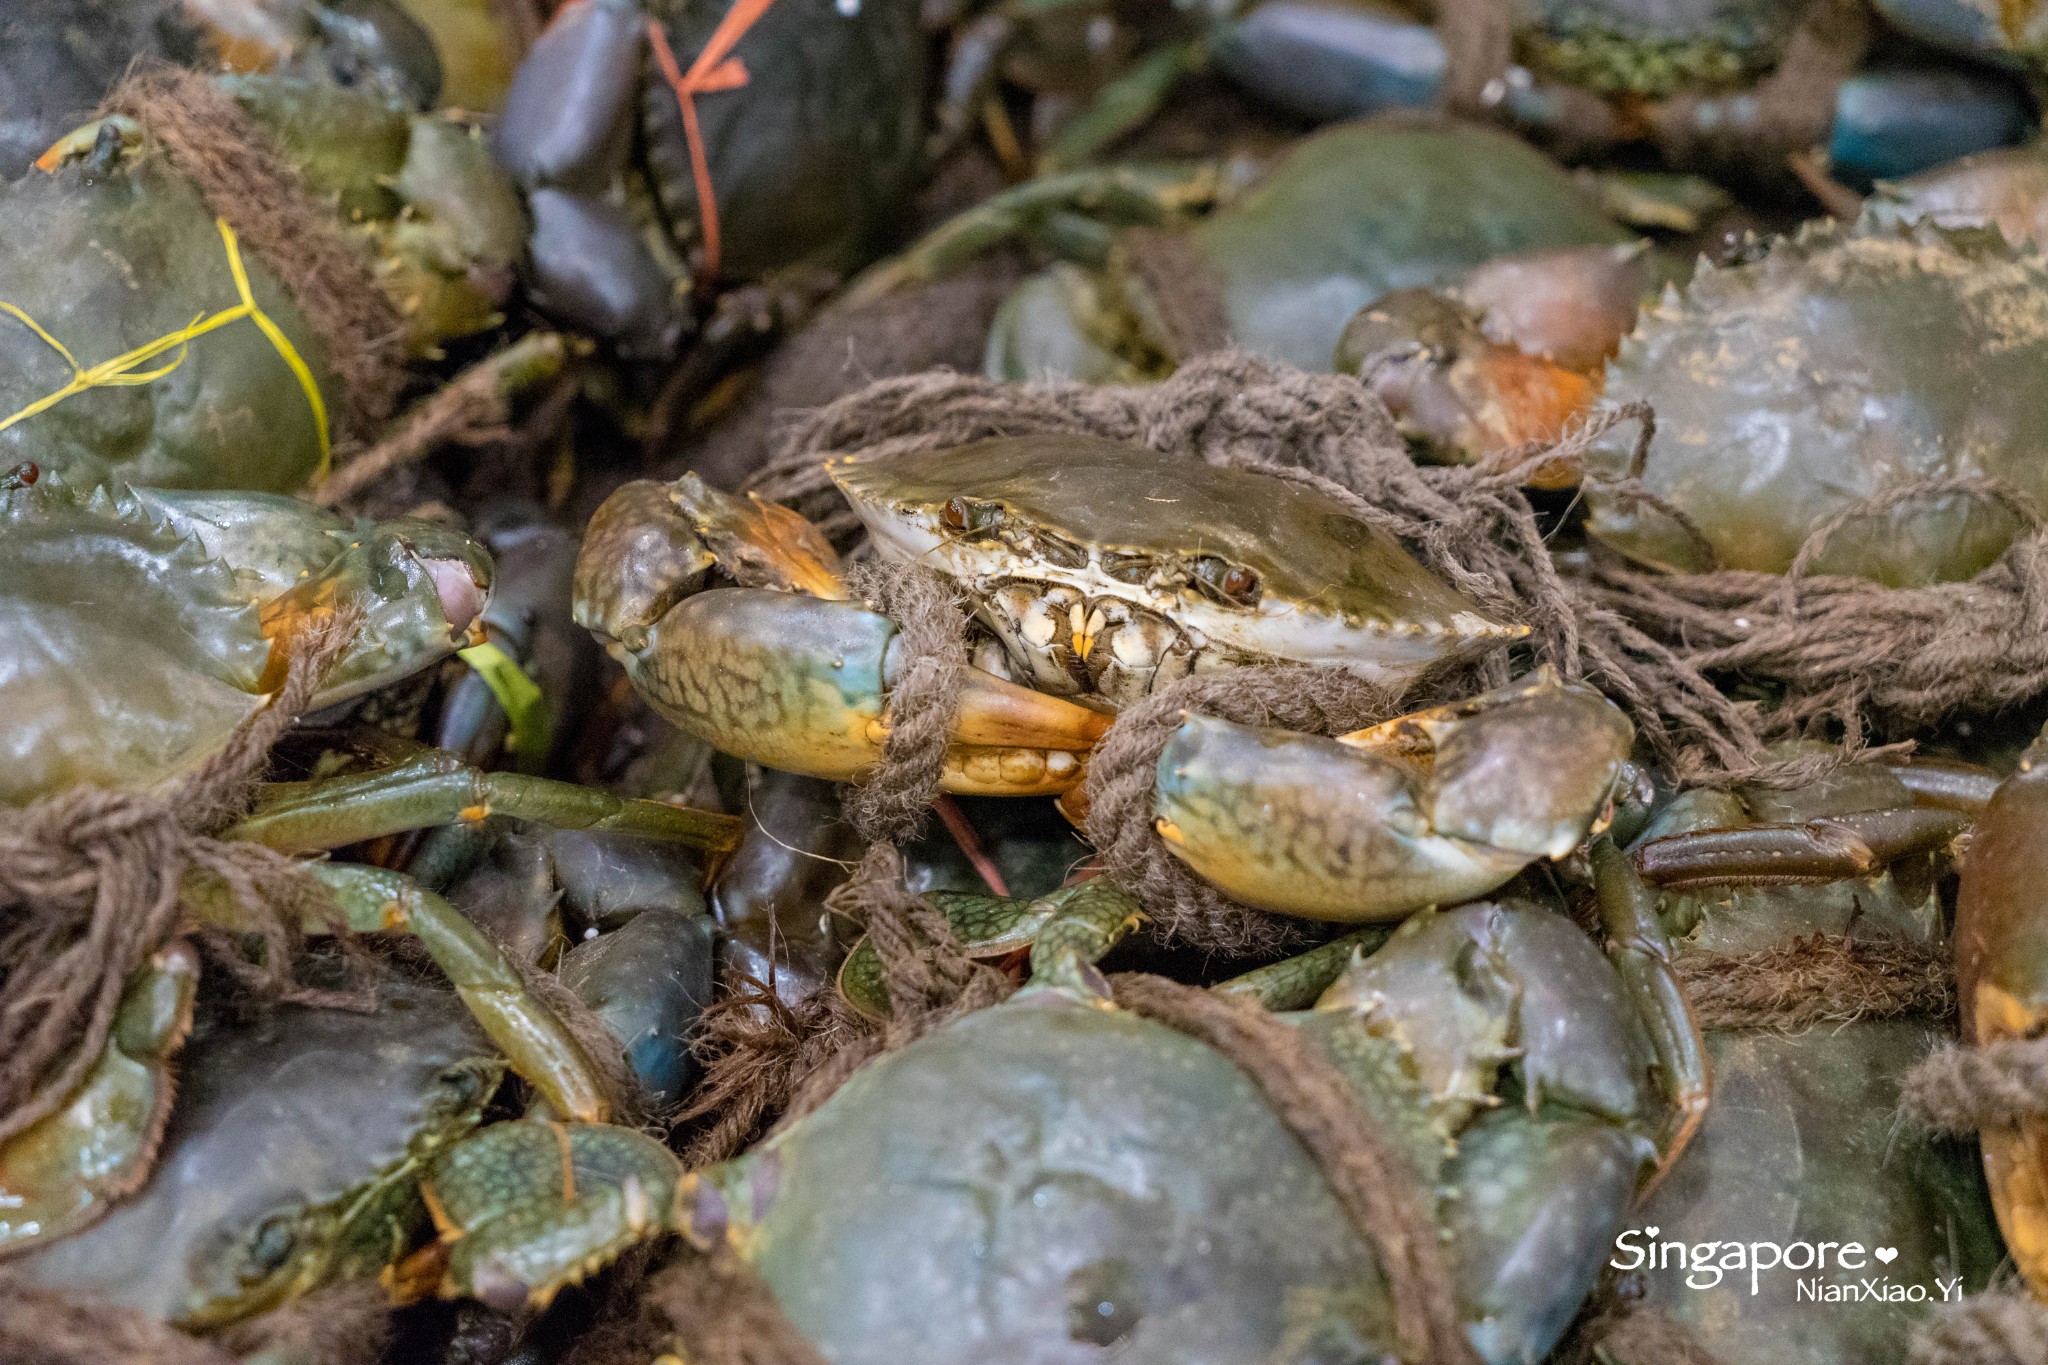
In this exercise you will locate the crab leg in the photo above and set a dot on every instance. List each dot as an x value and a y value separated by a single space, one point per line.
437 788
1642 956
1294 983
373 900
1816 851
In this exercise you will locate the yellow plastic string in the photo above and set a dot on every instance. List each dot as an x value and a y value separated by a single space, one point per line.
122 371
525 707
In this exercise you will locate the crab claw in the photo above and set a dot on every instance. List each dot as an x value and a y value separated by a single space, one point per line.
1432 808
802 684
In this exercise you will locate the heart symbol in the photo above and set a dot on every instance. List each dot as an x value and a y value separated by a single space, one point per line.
1651 1232
1887 1254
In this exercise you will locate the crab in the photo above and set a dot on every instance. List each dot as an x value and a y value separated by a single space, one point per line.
1845 362
293 1155
1802 1143
141 337
142 627
1346 216
666 147
1061 1176
1096 571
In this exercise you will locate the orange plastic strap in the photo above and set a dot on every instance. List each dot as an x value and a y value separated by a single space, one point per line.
715 69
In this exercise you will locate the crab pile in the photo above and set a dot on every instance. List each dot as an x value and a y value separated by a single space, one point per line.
997 681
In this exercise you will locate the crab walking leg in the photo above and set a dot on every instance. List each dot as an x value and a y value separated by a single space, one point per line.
537 1044
1294 983
1642 956
1827 850
437 788
802 684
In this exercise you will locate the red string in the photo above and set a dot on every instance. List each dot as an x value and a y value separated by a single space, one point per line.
715 69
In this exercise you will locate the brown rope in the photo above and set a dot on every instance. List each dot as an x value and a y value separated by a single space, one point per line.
90 888
1959 1089
1819 979
1787 111
474 407
1997 1327
1849 651
247 181
725 1314
1183 288
1372 1182
41 1326
923 701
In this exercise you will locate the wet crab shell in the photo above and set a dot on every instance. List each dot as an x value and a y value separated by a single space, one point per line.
136 626
1844 362
1048 1179
292 1156
1105 522
1350 214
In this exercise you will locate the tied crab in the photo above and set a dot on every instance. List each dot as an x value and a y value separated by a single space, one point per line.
1062 1176
142 627
1095 571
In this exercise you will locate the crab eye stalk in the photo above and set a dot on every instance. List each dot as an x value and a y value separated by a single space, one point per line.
1232 583
965 514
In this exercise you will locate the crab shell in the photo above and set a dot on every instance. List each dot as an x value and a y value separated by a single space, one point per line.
1352 213
136 626
1048 1179
293 1155
1094 531
1844 362
1802 1141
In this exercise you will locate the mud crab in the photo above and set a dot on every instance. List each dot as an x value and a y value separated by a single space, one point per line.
1345 217
142 336
1096 571
1527 1152
1802 1143
293 1155
1844 362
666 146
141 629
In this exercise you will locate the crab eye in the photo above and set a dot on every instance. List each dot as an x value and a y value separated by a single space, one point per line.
965 514
1232 582
271 1247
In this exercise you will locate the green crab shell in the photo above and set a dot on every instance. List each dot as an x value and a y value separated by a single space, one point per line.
1332 588
1843 363
106 260
132 622
293 1155
1351 213
1803 1143
1045 1179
